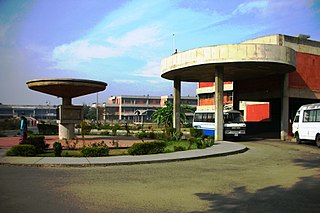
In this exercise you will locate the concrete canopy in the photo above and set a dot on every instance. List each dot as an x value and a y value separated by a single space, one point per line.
240 61
66 87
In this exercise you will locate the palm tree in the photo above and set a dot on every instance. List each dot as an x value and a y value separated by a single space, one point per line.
164 115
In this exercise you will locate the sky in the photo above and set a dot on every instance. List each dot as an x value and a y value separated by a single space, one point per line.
122 42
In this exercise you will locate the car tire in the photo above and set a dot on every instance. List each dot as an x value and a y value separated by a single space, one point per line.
318 140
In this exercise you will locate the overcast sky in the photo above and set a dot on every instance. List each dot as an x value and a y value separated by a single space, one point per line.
123 42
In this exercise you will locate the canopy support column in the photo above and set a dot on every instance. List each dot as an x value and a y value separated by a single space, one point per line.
218 103
176 104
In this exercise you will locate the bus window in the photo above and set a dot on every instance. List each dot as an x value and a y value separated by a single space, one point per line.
210 117
317 115
198 117
306 116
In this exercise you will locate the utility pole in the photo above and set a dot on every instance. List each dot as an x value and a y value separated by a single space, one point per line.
97 109
173 42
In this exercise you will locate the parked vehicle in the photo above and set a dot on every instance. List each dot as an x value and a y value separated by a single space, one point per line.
233 123
306 124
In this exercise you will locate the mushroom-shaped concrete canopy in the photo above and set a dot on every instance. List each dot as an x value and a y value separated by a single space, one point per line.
240 61
66 87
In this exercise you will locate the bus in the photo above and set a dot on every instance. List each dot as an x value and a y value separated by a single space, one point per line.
233 123
306 124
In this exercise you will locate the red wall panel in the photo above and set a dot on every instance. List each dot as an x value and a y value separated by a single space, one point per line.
257 112
307 75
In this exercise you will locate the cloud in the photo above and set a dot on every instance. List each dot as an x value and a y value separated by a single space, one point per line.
145 35
151 69
84 50
125 81
253 6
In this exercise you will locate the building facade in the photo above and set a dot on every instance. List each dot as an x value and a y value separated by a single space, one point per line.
137 108
273 99
33 113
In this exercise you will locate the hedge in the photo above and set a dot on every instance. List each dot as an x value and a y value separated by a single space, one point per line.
147 148
22 150
95 150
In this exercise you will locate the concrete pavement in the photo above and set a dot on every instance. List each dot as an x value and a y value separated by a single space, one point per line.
219 149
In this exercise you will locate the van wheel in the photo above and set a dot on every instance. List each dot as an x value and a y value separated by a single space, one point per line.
318 140
298 140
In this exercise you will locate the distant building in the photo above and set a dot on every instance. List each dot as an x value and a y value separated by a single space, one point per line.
32 112
136 109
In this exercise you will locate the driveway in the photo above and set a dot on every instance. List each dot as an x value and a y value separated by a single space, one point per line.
271 177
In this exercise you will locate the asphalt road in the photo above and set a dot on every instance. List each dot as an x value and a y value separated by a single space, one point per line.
270 177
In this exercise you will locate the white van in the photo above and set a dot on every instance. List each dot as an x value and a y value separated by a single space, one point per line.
306 124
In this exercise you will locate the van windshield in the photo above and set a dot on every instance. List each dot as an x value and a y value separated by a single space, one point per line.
296 119
233 118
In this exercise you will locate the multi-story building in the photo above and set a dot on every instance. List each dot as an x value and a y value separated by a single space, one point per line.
135 108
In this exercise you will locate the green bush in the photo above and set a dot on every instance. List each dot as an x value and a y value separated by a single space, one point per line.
191 140
115 128
95 150
203 143
178 148
197 133
147 148
151 135
37 141
57 148
22 150
141 135
105 133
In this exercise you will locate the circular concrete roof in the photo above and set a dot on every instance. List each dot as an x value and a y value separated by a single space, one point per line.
66 87
240 61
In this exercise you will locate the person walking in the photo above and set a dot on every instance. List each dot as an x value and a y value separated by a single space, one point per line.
23 129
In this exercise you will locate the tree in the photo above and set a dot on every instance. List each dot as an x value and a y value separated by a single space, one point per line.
164 115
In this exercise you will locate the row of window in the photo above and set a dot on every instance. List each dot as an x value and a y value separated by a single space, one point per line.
311 115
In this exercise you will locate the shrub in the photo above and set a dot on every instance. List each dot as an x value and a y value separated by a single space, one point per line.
57 148
115 128
95 150
191 140
203 143
85 128
141 135
151 135
38 142
105 133
178 148
147 148
197 133
177 135
22 150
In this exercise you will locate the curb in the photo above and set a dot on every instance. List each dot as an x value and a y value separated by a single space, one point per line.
227 148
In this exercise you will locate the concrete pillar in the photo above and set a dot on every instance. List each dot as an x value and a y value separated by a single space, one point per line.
236 102
176 104
66 131
218 103
284 109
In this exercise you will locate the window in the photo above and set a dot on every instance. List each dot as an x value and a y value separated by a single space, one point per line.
306 116
317 115
311 115
204 117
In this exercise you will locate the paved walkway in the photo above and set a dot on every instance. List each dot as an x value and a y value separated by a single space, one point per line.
220 149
